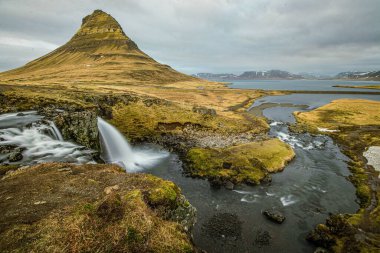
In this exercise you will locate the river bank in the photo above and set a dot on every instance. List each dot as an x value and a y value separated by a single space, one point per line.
357 129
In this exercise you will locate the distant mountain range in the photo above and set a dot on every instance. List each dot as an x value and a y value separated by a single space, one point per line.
285 75
372 75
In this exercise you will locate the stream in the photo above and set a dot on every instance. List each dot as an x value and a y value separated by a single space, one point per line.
313 185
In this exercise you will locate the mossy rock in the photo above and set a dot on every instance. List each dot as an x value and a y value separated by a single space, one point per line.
245 163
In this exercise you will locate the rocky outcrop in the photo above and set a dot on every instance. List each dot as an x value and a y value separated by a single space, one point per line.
80 127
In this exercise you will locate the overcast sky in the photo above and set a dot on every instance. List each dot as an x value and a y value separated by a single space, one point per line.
320 36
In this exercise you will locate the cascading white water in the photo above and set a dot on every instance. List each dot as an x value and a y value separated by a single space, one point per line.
39 141
56 132
116 149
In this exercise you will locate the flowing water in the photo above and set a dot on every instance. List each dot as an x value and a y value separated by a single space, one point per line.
116 149
38 141
313 185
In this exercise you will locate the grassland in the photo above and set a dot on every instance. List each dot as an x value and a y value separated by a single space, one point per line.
92 208
375 87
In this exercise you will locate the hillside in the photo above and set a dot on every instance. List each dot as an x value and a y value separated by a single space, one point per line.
99 52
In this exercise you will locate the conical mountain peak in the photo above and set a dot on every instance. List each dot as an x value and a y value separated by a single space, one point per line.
98 52
102 24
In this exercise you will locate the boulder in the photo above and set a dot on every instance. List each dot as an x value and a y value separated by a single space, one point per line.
262 238
16 155
274 215
229 185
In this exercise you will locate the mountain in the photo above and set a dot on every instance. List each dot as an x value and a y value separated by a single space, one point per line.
211 76
357 75
251 75
100 52
270 74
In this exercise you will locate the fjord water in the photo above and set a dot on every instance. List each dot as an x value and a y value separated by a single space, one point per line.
308 85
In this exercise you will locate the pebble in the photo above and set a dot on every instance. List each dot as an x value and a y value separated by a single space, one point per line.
65 169
39 202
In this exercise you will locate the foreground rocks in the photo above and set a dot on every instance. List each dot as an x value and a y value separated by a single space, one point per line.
67 208
274 216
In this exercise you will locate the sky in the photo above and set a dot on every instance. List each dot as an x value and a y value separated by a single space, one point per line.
218 36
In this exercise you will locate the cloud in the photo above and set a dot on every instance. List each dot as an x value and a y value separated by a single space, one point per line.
214 35
21 42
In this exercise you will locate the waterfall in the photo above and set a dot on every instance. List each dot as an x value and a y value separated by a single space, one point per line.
57 134
116 149
42 142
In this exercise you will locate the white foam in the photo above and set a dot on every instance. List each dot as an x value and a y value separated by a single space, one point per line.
318 189
250 198
242 192
321 129
116 149
40 147
276 123
288 200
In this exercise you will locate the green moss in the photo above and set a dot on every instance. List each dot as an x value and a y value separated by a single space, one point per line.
248 163
140 120
164 193
5 168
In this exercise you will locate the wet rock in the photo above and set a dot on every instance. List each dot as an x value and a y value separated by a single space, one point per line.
81 127
262 238
229 185
321 236
184 214
215 183
16 155
225 225
274 215
20 114
6 149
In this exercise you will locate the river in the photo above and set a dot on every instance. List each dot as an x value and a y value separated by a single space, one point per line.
313 185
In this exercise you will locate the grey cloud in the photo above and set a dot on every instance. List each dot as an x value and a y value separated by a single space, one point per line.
213 35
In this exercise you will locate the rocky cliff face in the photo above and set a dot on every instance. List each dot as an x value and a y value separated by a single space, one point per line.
81 127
